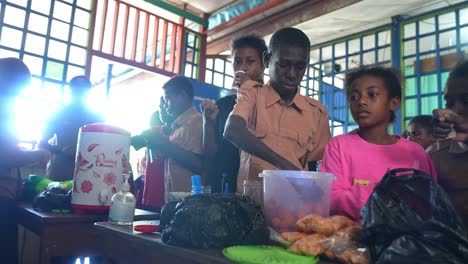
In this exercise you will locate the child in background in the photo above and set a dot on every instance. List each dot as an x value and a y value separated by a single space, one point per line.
361 158
450 153
420 130
221 156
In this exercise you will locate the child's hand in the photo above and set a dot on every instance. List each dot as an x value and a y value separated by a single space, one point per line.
209 109
448 121
239 78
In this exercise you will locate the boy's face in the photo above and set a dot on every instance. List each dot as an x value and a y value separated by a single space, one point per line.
420 135
456 97
369 103
287 65
174 102
248 60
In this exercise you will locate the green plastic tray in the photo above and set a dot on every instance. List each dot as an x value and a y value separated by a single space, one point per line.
265 255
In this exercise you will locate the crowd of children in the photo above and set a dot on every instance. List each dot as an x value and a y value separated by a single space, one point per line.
263 126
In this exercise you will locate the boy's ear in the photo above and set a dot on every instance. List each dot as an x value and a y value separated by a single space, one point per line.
395 103
266 58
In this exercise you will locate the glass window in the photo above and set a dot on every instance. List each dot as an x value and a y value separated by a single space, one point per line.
8 53
447 21
428 104
42 6
53 91
369 57
54 70
38 23
19 2
77 55
464 35
14 16
410 87
384 54
73 71
80 36
35 44
369 42
409 47
427 26
409 30
448 39
34 64
340 49
11 37
81 18
463 16
411 107
60 30
354 46
86 4
62 11
427 43
385 38
57 50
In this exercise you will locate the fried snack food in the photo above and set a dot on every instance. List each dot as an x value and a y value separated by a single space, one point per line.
310 245
317 224
292 237
354 232
354 256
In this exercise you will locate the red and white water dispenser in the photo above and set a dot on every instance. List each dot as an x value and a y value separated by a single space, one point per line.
102 157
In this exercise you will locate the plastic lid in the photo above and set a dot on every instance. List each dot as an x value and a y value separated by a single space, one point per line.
297 174
146 228
265 254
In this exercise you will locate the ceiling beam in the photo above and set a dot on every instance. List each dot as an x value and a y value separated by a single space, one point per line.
292 16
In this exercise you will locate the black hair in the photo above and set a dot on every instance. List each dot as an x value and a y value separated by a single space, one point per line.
14 75
249 41
390 76
80 81
291 37
460 70
178 84
425 121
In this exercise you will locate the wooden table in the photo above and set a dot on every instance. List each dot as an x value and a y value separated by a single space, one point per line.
123 245
44 235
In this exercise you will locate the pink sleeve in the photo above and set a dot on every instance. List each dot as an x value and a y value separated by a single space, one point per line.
343 200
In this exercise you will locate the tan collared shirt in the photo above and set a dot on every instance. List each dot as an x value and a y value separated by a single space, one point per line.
298 131
188 135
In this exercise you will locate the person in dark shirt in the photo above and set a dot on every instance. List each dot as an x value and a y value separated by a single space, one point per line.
60 134
222 158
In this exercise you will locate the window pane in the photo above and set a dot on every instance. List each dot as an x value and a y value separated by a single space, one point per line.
385 54
384 38
464 35
59 30
42 6
34 64
62 11
463 16
369 42
429 84
410 88
447 21
409 30
73 71
427 26
447 39
209 76
409 47
14 16
411 108
354 46
80 36
188 70
428 104
84 3
81 18
35 44
340 49
53 91
11 37
369 57
54 70
19 2
427 43
8 53
57 50
77 55
38 23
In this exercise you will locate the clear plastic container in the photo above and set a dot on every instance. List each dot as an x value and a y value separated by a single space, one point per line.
254 189
122 207
290 195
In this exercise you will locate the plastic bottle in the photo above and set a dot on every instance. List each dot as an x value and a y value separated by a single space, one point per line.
123 204
196 184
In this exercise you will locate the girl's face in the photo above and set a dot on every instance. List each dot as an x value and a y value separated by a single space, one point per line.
369 102
420 135
248 60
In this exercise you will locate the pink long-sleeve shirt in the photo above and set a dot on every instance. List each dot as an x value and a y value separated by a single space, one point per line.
359 165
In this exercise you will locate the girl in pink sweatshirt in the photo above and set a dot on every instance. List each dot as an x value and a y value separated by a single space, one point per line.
361 158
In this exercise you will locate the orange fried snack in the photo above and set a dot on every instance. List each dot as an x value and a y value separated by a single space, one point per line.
310 245
292 237
354 232
323 225
354 256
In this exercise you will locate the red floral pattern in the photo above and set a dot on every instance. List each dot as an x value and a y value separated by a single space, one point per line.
86 186
109 178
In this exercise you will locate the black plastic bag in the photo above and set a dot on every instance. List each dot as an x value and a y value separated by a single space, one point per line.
53 199
213 221
410 219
